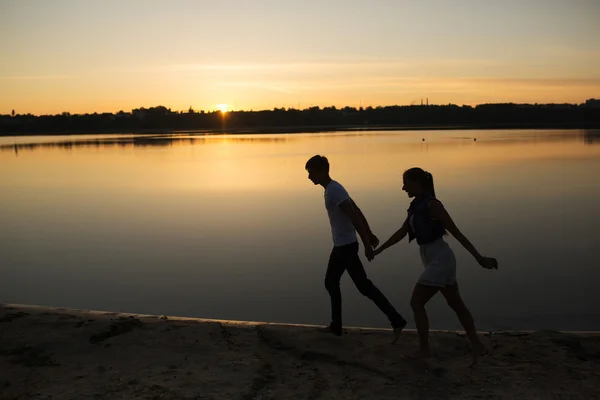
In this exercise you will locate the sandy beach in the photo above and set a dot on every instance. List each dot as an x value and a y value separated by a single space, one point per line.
53 353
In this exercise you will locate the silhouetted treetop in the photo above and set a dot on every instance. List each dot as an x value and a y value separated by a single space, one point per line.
161 118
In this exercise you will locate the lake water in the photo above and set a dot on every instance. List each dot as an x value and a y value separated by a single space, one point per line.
230 227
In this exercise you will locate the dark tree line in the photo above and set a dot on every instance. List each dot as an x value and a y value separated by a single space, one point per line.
162 119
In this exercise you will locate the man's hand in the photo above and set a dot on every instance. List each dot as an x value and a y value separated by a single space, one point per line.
369 253
374 240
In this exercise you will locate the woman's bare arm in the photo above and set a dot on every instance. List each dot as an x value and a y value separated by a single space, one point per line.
438 212
395 238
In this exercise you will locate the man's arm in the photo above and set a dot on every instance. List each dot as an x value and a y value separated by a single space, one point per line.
361 216
347 207
374 240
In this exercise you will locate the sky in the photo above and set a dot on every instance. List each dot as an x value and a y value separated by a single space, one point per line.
107 55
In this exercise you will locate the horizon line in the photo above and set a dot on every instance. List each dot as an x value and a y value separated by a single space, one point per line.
424 103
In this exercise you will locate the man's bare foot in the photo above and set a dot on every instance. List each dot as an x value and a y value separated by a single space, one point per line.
398 331
479 349
417 354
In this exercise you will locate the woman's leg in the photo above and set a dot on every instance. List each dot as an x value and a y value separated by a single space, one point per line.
455 302
420 297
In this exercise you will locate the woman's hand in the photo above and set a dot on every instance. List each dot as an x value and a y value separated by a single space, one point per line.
377 251
488 262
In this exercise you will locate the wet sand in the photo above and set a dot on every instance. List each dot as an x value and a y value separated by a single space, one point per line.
51 353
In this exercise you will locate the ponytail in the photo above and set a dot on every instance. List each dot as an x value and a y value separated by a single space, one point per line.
428 183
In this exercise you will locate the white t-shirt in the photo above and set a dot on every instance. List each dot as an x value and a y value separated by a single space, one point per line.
342 229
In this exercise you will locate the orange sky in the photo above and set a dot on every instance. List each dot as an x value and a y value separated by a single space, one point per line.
102 56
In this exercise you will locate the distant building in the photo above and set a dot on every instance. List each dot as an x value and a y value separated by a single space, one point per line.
593 103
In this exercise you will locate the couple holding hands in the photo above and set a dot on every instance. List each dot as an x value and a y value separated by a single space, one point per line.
427 222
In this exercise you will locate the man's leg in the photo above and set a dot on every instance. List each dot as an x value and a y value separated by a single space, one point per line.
368 289
335 270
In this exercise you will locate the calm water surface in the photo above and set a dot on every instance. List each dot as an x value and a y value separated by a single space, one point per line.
230 227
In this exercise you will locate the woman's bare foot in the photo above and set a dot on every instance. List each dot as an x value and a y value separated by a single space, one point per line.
479 349
417 354
332 328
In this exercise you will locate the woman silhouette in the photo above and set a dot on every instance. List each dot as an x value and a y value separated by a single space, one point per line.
427 222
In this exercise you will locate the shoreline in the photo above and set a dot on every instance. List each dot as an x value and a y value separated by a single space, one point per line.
312 129
55 352
253 324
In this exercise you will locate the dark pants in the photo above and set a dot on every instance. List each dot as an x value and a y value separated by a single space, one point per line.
345 258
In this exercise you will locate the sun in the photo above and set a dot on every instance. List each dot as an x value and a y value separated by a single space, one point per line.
223 107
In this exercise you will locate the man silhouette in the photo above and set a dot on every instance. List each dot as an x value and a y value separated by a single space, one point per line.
346 219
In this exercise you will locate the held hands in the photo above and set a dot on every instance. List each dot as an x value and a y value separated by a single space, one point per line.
369 253
377 251
488 262
374 240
